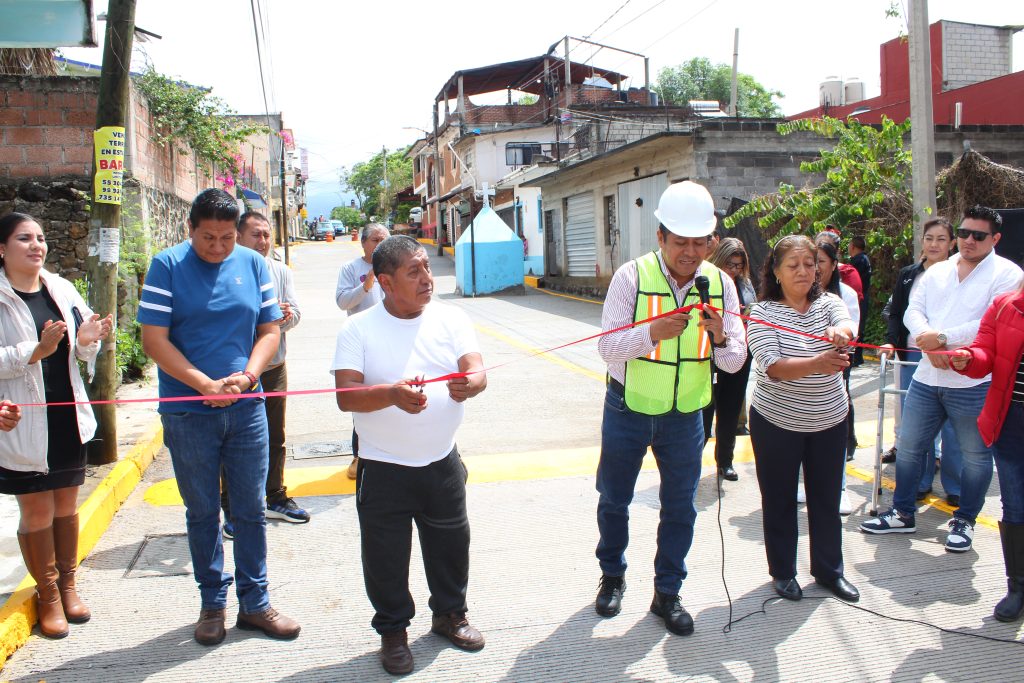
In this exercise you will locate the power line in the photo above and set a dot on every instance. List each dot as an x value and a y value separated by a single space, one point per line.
259 61
621 7
657 4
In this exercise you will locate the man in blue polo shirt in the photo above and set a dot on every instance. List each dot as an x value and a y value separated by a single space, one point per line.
208 313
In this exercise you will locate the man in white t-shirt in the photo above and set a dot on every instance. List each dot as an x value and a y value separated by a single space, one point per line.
409 468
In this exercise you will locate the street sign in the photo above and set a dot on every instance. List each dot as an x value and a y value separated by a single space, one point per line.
47 23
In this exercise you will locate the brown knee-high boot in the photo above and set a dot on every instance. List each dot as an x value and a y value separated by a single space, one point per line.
65 545
37 549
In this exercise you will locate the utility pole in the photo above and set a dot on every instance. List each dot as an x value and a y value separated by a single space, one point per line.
284 206
384 199
922 121
105 221
733 102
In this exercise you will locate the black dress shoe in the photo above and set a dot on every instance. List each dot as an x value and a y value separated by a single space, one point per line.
889 456
788 588
921 495
677 619
841 588
609 595
728 473
742 431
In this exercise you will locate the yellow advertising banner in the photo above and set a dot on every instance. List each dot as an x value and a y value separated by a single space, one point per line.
109 143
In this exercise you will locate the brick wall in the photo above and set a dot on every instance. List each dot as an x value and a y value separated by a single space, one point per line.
46 126
972 53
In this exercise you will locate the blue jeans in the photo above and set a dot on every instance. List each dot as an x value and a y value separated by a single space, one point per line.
677 441
1009 453
927 407
952 459
236 439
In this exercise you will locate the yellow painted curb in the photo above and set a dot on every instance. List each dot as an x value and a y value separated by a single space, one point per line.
450 251
531 281
427 240
18 614
570 296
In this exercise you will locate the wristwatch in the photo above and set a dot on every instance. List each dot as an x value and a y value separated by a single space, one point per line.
942 339
721 345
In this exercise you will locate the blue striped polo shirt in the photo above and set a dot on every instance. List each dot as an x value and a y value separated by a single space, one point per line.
211 309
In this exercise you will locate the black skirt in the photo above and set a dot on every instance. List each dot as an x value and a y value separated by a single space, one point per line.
65 457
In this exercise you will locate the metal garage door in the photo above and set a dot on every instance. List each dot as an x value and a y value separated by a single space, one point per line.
638 228
579 235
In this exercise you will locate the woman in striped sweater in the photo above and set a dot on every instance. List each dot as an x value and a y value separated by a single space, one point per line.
798 415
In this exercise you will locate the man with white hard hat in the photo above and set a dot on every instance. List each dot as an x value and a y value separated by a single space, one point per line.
659 380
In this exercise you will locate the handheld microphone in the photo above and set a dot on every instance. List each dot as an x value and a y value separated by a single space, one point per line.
704 291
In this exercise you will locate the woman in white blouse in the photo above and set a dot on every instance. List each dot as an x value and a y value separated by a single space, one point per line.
798 415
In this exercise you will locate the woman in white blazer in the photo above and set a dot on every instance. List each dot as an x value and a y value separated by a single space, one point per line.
42 459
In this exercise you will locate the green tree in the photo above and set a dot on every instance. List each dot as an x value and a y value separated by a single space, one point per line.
352 218
700 79
866 186
366 180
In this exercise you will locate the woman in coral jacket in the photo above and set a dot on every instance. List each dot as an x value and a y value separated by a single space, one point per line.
997 350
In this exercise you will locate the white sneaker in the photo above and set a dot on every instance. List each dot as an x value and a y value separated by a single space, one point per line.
960 536
845 507
801 494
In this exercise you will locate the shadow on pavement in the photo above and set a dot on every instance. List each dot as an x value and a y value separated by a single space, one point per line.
145 659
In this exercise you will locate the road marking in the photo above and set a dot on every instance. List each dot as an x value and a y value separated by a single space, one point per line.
569 296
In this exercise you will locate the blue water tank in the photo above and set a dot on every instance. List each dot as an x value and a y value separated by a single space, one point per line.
495 251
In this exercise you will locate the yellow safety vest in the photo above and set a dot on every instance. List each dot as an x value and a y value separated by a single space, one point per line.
677 374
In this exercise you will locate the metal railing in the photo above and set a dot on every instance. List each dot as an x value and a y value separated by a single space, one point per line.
884 363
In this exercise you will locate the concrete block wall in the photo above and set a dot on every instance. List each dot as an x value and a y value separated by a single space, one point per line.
972 53
46 126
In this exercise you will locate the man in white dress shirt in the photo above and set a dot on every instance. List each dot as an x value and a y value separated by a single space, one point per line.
946 306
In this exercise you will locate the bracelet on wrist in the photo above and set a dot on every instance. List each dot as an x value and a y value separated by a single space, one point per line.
254 381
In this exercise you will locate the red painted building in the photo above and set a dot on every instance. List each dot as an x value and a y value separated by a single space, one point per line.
971 65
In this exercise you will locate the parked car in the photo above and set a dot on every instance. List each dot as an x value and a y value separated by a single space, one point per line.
339 228
416 215
321 230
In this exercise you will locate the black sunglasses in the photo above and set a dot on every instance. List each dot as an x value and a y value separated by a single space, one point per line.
978 235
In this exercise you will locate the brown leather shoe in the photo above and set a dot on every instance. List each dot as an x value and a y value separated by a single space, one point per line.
271 622
395 655
210 627
456 628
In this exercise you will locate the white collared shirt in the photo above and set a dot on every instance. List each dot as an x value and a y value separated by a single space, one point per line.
940 301
620 307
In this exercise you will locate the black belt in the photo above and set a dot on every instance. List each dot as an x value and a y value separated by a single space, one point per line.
617 386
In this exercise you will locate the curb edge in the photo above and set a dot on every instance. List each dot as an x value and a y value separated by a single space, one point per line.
18 614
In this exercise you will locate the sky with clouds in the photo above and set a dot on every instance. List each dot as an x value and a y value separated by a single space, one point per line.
350 78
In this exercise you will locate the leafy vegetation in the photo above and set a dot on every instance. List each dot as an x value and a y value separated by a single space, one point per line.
366 180
866 186
352 218
700 79
197 123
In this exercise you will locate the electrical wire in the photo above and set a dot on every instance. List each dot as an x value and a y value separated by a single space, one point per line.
259 61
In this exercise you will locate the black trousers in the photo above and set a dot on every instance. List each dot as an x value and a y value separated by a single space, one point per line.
388 499
851 435
729 391
778 455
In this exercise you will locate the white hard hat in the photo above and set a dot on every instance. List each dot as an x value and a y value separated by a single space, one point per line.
687 210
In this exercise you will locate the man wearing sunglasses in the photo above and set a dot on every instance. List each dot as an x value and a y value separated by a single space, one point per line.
946 305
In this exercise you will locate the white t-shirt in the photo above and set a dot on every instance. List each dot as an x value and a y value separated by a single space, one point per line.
386 350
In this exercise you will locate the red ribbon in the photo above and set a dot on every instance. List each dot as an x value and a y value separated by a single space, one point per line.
457 375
